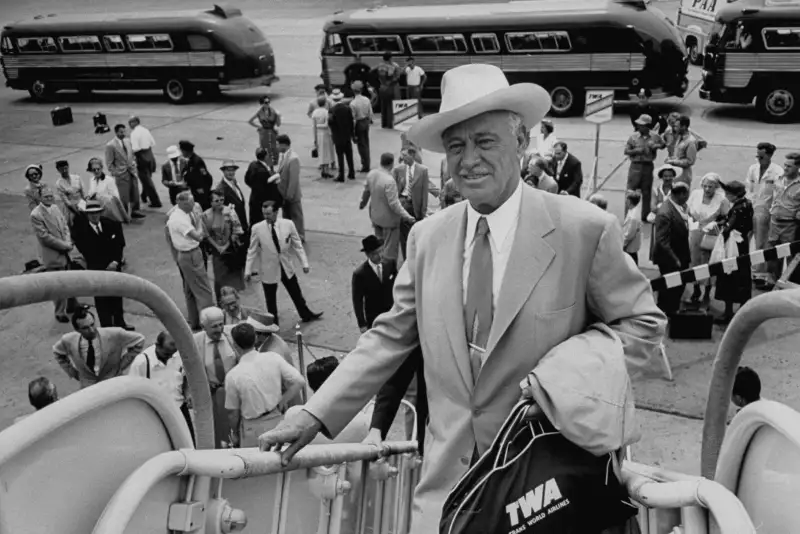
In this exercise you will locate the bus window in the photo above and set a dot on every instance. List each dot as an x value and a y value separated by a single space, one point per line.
160 41
437 44
375 44
485 43
37 45
198 43
80 43
333 45
114 43
538 41
781 38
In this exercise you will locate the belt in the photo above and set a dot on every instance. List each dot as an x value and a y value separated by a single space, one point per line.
262 415
189 251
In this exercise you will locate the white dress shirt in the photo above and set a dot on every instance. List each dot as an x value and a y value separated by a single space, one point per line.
560 164
226 352
414 75
180 224
142 139
83 348
409 174
378 268
255 386
502 226
761 189
168 376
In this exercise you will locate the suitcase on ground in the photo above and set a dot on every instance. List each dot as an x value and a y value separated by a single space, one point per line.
61 116
691 324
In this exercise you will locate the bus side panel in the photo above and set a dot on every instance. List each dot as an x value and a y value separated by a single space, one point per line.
60 70
153 69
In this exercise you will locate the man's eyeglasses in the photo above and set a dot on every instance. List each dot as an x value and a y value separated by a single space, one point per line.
97 169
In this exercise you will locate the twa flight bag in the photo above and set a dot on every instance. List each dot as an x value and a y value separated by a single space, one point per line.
532 480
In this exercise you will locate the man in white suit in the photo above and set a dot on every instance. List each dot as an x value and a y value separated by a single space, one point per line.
271 242
512 287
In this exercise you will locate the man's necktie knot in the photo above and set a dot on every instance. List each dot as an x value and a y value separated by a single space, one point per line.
482 228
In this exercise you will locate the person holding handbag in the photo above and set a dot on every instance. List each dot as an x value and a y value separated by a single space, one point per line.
323 142
224 231
705 205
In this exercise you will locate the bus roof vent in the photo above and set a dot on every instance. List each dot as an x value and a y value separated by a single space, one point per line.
225 12
781 3
641 4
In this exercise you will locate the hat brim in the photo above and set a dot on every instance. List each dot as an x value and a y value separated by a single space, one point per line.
234 167
89 211
528 100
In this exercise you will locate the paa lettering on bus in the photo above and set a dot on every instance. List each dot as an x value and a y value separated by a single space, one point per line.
709 6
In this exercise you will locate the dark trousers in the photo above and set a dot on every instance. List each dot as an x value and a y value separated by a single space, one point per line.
386 95
362 142
669 300
640 177
188 417
110 311
145 163
344 150
295 293
635 256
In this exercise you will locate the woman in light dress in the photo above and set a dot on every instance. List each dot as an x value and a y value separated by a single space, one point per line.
224 231
70 191
705 206
104 189
323 141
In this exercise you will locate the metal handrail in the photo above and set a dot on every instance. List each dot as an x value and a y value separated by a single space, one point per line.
33 288
775 305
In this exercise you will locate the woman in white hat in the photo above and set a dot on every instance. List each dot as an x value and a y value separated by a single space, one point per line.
33 191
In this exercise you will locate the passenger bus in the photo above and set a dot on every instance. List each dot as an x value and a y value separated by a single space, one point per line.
754 54
565 46
178 52
695 19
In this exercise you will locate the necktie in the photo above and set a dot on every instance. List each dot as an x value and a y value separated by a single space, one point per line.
90 357
380 272
479 296
97 228
124 148
408 182
275 238
219 367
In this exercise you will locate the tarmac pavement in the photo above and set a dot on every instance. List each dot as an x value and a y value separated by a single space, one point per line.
671 428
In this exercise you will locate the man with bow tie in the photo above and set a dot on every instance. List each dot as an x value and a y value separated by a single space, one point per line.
102 243
372 284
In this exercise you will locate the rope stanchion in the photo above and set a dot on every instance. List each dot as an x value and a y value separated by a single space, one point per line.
701 272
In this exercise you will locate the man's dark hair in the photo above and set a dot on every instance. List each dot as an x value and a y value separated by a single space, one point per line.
218 191
83 312
41 393
261 153
318 371
269 204
794 157
283 139
387 56
161 338
387 159
769 148
119 127
747 385
684 121
562 144
244 335
634 196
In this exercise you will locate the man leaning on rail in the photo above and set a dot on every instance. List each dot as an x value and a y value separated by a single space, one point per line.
511 287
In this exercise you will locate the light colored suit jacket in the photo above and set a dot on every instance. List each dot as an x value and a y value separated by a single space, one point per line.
289 169
52 233
385 210
269 261
115 349
573 309
117 161
419 190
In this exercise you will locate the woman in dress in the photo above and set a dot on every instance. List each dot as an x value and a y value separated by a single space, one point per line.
224 231
323 141
705 206
70 192
33 191
736 287
104 189
267 121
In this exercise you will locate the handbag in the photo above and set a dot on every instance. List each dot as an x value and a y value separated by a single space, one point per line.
533 480
708 241
314 152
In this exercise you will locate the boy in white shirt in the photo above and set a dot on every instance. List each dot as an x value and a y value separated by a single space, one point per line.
632 226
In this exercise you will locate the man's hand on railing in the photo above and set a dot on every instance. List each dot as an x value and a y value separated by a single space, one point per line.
296 431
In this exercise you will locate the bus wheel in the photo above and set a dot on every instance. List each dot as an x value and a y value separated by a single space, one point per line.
40 91
177 91
777 104
563 101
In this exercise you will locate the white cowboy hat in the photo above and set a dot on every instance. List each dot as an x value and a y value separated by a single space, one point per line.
470 90
337 95
264 323
173 152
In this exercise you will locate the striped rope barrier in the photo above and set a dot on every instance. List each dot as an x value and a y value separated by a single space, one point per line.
701 272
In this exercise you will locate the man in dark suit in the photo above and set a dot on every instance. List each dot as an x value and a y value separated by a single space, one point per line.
373 281
257 177
196 175
567 170
101 242
342 127
233 193
671 247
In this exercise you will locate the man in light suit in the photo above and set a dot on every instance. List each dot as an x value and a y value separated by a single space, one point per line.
413 186
172 173
121 163
385 210
55 243
289 185
271 241
511 287
91 355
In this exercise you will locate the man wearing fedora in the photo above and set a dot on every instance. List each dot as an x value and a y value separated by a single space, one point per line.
514 286
172 173
233 195
642 149
372 284
267 338
102 243
342 127
263 183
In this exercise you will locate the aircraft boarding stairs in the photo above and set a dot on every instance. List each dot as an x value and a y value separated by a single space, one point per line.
118 458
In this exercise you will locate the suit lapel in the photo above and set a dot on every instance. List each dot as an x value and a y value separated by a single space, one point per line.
450 268
104 353
530 257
